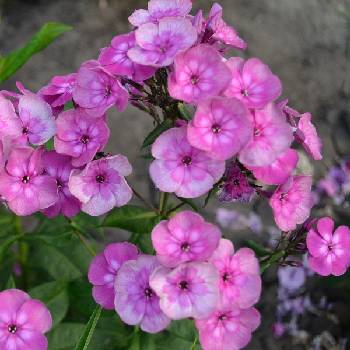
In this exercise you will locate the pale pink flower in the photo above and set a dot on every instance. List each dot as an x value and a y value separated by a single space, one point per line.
272 137
23 321
190 290
253 82
104 268
115 60
198 73
228 328
185 237
220 127
306 134
159 43
10 124
329 249
181 168
23 184
97 91
59 167
101 185
292 202
80 136
279 171
158 9
240 281
135 300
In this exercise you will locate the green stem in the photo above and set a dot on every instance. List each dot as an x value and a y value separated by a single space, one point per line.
144 201
23 250
78 232
175 208
163 200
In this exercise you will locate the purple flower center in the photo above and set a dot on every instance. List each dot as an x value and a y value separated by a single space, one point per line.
216 128
149 293
183 285
185 247
12 328
59 184
100 179
85 139
25 179
25 130
244 92
187 160
226 276
256 132
236 182
108 91
222 317
330 246
283 196
194 79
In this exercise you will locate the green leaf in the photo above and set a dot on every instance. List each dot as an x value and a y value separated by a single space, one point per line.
11 284
10 63
132 218
259 250
7 243
55 296
89 330
64 336
184 112
152 136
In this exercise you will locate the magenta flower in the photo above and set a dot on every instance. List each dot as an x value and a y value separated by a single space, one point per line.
23 321
80 136
97 91
198 73
101 185
292 202
228 328
185 237
329 250
59 167
190 290
59 91
159 43
307 135
158 9
115 60
103 271
253 82
279 171
236 186
272 137
23 184
135 300
220 127
181 168
10 124
240 281
219 30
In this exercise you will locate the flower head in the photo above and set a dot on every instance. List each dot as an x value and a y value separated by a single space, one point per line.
97 91
329 249
292 202
198 73
181 168
240 281
158 44
23 184
272 136
135 300
228 328
253 82
220 127
115 60
59 167
101 185
190 290
185 237
103 271
23 321
80 136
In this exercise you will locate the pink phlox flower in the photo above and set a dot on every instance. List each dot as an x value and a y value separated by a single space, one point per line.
189 290
104 268
23 321
158 9
198 73
240 281
253 82
292 202
10 124
184 237
158 44
180 168
101 185
97 91
329 249
135 300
